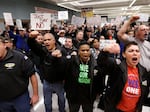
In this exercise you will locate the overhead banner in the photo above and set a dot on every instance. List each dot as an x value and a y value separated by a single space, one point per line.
87 12
40 21
8 19
77 21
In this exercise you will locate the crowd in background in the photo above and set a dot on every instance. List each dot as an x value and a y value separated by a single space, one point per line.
69 60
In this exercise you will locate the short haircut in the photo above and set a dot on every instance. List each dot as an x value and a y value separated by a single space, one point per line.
68 37
2 39
79 31
83 43
96 38
50 34
128 44
8 39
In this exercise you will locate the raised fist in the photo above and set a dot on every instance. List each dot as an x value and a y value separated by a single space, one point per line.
33 34
134 18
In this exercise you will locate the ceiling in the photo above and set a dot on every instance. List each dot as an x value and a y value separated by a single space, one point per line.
106 7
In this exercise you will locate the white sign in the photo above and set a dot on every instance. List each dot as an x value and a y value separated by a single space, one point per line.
77 21
40 21
118 20
2 27
106 42
143 17
19 23
94 20
62 15
112 21
104 20
8 18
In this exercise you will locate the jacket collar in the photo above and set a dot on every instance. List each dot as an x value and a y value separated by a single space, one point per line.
9 54
123 67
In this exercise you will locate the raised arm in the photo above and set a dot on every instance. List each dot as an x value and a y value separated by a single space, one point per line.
104 54
106 63
122 32
34 45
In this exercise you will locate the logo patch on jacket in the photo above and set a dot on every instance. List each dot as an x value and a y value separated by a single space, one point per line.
9 65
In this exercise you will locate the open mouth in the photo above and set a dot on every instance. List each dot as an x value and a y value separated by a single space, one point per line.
134 60
47 45
146 36
85 56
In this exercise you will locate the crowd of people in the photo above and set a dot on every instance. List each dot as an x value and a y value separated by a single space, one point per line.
69 59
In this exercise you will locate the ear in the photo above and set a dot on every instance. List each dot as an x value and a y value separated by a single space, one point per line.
123 54
4 45
78 53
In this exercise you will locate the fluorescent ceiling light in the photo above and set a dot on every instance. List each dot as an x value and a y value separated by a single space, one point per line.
124 8
132 3
75 3
136 7
103 2
112 8
78 3
132 8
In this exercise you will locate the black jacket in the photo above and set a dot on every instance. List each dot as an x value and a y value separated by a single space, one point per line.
72 86
15 70
53 68
117 79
